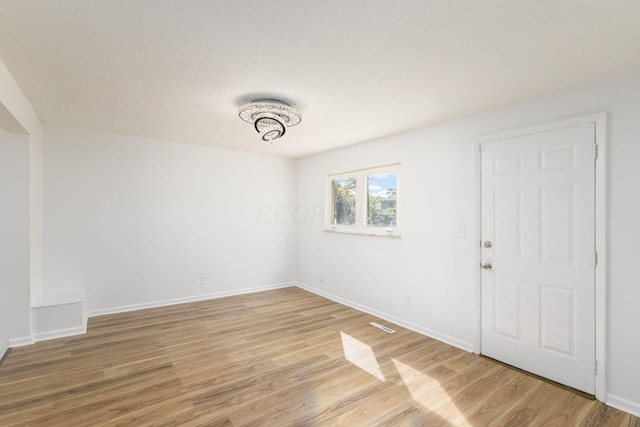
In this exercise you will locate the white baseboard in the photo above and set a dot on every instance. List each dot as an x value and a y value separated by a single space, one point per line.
623 404
463 345
21 341
63 298
49 335
182 300
60 333
67 332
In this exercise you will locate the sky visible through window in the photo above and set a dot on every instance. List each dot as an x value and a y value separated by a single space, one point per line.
380 184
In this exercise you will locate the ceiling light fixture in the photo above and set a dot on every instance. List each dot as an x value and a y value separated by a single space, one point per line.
270 117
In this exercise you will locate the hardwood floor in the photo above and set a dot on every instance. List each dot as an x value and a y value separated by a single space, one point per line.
276 358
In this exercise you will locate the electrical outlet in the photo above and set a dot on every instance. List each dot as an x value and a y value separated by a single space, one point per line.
321 278
203 280
407 301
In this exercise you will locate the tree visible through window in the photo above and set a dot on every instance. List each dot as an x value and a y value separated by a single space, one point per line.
344 201
382 191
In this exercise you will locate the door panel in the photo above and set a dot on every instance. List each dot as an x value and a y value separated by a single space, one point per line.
538 307
557 329
507 222
556 225
507 307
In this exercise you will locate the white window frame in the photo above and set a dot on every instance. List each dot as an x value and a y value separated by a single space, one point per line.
361 197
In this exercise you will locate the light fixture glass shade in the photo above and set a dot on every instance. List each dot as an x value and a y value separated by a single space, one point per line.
270 117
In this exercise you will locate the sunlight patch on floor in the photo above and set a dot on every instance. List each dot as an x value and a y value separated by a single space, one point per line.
361 355
428 392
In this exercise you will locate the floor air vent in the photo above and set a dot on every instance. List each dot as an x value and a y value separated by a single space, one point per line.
379 326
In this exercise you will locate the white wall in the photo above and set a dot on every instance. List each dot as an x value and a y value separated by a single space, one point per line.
437 269
134 220
17 115
428 263
14 237
23 118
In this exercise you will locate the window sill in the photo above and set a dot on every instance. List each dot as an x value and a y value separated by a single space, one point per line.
388 234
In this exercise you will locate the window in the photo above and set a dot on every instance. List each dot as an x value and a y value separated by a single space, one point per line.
364 201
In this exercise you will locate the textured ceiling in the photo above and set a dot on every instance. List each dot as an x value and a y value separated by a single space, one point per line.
356 69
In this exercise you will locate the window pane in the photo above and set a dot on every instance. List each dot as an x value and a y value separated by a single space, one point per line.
344 201
382 191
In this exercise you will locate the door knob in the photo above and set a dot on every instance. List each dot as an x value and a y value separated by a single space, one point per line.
487 266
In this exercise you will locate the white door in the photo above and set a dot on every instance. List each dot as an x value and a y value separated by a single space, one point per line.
538 254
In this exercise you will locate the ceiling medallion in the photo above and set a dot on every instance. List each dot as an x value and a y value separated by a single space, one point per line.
270 117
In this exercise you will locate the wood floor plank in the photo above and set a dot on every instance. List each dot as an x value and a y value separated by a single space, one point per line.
276 358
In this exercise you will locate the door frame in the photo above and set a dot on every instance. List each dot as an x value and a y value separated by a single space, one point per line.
600 123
